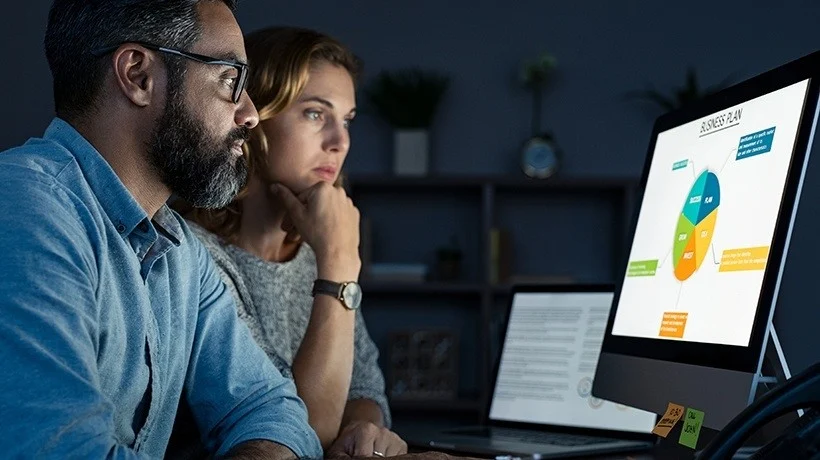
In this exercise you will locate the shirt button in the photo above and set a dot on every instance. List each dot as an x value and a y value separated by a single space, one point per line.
120 228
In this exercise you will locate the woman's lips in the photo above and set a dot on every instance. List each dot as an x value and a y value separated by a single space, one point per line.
326 173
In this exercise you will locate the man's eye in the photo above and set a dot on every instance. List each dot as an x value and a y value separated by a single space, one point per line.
229 81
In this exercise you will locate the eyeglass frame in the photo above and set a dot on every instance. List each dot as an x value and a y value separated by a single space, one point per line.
240 84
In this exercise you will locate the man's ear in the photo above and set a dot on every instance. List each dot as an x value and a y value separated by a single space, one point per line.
137 73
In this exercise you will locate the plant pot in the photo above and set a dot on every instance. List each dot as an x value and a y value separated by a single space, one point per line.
411 151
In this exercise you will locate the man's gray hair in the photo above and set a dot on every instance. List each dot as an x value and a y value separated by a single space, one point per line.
78 27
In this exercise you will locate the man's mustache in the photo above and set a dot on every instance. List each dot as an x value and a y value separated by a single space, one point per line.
242 133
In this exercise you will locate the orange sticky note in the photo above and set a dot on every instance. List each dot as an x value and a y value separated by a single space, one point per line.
673 413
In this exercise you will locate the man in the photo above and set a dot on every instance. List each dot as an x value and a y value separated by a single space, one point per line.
110 309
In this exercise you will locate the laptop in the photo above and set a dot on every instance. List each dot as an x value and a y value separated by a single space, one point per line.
541 404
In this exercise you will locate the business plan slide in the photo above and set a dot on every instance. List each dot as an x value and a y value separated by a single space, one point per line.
706 223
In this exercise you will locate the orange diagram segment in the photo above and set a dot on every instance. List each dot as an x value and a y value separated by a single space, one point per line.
686 264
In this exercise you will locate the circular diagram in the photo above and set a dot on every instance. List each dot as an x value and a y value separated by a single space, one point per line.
696 225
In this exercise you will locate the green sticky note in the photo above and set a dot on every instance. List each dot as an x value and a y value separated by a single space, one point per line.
692 422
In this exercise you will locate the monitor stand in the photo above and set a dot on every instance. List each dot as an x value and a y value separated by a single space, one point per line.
774 370
772 362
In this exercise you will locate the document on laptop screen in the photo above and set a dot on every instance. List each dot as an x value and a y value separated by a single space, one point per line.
548 362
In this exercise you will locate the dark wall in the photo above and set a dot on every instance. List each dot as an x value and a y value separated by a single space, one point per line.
603 49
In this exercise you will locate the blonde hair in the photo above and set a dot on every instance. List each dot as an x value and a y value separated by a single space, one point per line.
280 60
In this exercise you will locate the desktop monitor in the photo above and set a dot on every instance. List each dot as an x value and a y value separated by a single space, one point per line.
719 191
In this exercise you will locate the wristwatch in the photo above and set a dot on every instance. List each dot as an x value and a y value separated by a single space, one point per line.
348 292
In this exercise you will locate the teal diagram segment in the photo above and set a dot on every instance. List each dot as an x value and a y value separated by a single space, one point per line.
710 196
691 209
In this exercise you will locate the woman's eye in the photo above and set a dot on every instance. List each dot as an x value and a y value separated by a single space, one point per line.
313 115
348 121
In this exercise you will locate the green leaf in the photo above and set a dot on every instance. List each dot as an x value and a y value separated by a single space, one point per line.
407 98
689 92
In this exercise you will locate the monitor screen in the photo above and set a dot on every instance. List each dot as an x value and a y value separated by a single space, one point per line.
548 360
711 202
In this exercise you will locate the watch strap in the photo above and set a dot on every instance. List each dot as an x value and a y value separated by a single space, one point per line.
328 287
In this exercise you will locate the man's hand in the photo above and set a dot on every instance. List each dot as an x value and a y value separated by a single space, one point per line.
429 455
326 219
364 439
260 450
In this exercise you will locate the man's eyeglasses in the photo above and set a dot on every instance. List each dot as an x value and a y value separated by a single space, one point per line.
239 84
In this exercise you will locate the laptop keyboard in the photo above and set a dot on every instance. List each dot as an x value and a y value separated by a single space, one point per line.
535 437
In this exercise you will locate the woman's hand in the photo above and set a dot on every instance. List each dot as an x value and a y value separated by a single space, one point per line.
365 439
326 219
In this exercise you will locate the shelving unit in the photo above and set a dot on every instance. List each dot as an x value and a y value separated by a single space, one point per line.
458 405
411 216
427 288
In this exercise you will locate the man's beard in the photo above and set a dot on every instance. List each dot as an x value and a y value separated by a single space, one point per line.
196 165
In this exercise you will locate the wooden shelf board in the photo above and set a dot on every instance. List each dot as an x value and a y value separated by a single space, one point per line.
409 287
500 182
460 405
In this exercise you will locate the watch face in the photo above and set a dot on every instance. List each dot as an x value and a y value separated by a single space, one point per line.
352 295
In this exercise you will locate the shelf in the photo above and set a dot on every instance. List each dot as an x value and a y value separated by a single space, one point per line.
458 405
504 289
408 218
428 288
500 182
409 287
565 183
390 181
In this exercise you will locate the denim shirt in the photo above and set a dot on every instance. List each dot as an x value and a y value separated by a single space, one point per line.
107 317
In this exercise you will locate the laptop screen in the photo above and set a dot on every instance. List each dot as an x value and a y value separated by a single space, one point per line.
548 360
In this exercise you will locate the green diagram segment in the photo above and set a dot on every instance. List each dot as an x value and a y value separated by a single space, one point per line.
684 231
696 225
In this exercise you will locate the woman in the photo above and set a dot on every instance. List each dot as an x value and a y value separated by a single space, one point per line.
293 224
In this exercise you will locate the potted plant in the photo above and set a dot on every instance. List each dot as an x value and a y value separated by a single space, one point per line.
408 99
690 91
540 156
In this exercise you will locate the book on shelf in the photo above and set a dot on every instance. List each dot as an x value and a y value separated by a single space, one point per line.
500 256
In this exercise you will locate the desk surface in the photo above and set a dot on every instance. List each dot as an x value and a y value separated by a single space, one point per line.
667 448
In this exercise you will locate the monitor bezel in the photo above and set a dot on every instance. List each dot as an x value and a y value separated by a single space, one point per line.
737 358
569 288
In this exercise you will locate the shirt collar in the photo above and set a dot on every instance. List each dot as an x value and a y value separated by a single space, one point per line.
167 221
117 202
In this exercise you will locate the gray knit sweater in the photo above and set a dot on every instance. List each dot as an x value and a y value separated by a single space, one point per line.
275 301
